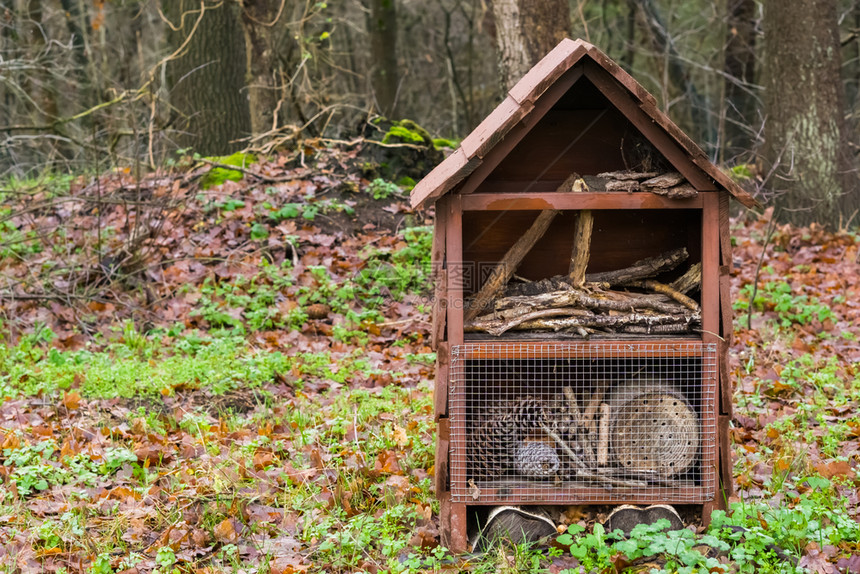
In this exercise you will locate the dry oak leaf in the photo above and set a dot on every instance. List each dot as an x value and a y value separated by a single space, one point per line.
836 468
72 400
225 532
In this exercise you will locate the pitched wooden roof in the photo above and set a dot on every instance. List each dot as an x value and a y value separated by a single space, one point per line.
520 104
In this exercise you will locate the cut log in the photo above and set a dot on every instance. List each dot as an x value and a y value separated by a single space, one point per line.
663 181
628 175
689 281
683 191
628 185
642 269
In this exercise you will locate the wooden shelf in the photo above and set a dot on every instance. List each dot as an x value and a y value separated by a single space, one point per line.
587 200
573 493
542 349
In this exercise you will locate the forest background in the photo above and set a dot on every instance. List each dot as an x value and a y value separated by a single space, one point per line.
214 329
92 84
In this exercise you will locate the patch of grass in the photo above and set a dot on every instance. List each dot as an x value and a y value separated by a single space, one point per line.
780 298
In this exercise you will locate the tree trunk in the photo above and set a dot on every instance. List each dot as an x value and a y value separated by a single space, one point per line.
382 26
806 149
259 19
207 80
739 65
703 129
525 32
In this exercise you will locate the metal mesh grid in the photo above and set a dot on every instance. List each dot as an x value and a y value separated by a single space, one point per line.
583 422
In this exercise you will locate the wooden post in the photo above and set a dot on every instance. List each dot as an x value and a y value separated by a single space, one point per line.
454 513
710 335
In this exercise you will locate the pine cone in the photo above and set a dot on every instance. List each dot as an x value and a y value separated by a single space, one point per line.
536 459
527 414
499 431
491 446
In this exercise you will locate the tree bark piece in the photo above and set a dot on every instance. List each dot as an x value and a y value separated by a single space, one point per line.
682 191
641 269
628 175
628 185
689 280
664 181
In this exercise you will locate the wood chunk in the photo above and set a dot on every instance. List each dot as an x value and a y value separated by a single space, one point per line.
628 175
689 281
628 185
664 181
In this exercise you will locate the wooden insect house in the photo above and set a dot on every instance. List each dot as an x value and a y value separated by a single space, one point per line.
582 311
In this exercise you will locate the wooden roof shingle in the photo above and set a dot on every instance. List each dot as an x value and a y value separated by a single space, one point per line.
520 103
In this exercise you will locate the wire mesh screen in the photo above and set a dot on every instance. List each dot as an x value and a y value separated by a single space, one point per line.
583 422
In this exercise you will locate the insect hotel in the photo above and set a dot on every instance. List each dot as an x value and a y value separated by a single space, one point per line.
582 311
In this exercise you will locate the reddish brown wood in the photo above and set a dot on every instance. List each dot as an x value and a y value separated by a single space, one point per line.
457 277
623 77
725 379
725 235
726 465
610 349
494 128
515 135
440 387
711 309
548 70
726 314
585 200
440 466
673 152
440 274
727 183
459 540
443 178
577 140
526 494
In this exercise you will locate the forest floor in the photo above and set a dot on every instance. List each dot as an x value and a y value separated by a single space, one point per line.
206 375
